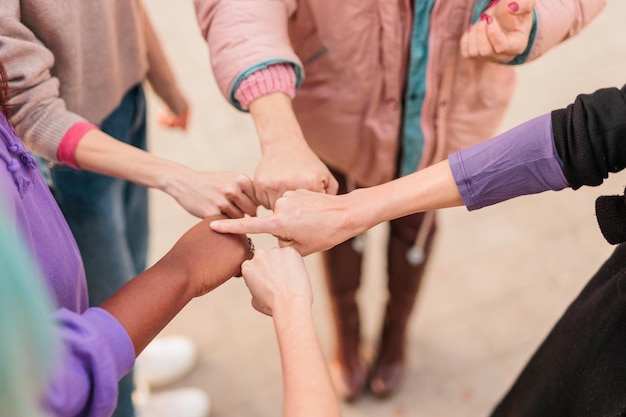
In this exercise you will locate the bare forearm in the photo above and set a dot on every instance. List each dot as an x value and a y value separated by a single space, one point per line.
308 389
100 153
275 121
428 189
147 303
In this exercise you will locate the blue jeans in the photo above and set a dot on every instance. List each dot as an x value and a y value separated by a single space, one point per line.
109 218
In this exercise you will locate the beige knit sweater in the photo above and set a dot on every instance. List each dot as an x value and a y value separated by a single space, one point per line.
70 61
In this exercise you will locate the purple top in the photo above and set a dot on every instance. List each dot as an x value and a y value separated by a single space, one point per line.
518 162
97 350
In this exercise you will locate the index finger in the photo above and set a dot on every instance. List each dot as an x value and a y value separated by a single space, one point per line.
244 225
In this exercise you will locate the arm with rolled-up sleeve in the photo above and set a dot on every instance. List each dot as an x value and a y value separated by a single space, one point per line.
245 37
579 145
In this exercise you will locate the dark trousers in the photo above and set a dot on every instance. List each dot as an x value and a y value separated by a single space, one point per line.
580 368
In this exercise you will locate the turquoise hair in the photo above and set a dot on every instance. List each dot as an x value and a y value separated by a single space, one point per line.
29 340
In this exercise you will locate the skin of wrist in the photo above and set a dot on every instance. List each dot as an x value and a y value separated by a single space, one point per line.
289 309
172 177
177 279
275 120
360 213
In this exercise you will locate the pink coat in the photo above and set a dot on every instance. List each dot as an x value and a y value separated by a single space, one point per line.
354 54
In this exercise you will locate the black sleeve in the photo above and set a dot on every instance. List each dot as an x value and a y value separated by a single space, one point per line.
590 136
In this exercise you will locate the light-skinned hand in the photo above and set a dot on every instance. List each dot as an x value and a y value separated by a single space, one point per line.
305 220
167 118
502 33
290 168
207 193
287 161
276 277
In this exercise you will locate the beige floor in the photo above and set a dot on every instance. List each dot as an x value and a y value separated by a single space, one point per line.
499 279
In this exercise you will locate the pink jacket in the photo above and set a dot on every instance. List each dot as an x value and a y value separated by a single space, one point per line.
354 54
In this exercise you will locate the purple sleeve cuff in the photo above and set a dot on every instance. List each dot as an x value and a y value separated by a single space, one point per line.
117 338
518 162
97 352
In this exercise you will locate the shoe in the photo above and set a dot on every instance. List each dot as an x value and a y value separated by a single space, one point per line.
385 378
388 368
166 360
349 384
183 402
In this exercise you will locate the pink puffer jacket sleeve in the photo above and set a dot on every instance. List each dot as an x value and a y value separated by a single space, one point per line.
244 36
558 20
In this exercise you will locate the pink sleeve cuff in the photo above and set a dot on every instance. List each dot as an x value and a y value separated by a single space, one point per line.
271 79
67 148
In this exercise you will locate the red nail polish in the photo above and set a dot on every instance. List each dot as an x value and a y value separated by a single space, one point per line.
513 6
484 17
493 3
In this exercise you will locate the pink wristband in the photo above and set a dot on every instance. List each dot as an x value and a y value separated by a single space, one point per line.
67 148
275 78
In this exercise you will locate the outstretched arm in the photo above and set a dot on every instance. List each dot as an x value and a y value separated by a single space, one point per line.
200 261
43 122
257 69
312 222
201 193
520 161
571 147
101 342
512 164
280 288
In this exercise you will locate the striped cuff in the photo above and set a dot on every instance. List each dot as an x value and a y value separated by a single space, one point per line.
274 78
67 148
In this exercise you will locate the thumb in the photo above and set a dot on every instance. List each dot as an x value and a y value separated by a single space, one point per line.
520 7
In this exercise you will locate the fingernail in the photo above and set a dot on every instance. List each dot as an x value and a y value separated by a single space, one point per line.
493 3
484 17
513 6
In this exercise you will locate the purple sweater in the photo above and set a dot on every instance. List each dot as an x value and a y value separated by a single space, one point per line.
97 350
520 161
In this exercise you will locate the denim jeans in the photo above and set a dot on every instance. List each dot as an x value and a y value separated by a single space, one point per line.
109 218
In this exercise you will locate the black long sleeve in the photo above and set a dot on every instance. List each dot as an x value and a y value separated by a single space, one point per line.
590 136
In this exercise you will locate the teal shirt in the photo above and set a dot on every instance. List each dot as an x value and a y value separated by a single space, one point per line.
411 135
